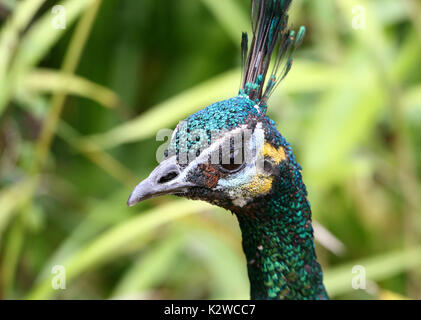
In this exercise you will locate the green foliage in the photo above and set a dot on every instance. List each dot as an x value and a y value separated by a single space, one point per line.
351 107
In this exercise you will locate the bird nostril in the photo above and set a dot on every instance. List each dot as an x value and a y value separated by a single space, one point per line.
168 177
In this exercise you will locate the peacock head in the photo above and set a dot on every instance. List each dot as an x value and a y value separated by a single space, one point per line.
228 154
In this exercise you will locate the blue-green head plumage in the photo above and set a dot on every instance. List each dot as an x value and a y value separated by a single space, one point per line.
228 153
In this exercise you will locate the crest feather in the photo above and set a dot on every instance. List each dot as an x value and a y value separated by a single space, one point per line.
270 33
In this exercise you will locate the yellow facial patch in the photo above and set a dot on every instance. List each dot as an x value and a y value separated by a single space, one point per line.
260 185
254 181
277 155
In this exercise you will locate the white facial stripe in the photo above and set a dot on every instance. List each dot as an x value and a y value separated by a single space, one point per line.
206 153
254 145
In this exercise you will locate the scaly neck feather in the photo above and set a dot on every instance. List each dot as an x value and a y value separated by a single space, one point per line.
278 241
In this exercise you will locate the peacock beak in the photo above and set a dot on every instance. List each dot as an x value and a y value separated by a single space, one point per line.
164 179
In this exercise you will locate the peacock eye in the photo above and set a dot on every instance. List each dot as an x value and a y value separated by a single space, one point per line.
268 166
235 162
231 167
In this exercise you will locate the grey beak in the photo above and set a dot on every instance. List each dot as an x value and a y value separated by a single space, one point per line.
164 179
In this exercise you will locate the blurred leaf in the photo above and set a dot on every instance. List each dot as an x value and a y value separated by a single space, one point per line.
9 36
169 112
327 239
406 57
372 36
412 99
100 215
11 198
389 295
42 36
226 267
51 81
36 43
38 105
150 268
230 16
338 280
342 119
107 246
390 11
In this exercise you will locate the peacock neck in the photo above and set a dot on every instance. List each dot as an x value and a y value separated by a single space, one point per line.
278 243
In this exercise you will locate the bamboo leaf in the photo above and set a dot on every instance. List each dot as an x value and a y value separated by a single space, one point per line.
106 247
167 113
230 16
150 268
342 118
9 35
226 267
11 198
338 280
50 81
36 43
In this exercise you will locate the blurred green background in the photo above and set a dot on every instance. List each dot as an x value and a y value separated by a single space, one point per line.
80 109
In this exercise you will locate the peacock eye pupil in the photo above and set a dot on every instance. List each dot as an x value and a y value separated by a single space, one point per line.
231 166
234 164
236 156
